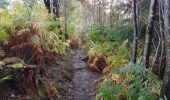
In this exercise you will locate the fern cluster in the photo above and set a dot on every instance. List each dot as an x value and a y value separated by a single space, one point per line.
120 80
30 33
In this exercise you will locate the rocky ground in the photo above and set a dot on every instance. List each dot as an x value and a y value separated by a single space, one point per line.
84 80
68 73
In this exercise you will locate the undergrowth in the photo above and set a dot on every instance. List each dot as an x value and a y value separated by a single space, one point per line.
31 34
120 79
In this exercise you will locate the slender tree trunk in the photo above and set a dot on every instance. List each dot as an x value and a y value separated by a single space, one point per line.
111 14
47 5
111 21
162 56
165 91
149 32
65 19
56 8
135 34
103 13
100 16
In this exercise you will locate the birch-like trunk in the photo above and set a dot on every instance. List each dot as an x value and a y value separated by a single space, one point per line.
149 32
165 91
135 34
65 19
47 5
56 8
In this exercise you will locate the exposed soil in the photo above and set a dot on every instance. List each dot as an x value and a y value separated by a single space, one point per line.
84 84
72 78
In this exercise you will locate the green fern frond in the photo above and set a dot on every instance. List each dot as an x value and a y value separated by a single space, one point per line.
5 79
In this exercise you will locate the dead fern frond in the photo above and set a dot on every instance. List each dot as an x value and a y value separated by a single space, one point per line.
50 88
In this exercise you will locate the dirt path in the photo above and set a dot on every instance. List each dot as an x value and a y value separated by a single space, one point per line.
84 85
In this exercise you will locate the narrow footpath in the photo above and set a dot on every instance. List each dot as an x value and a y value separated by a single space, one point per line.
84 80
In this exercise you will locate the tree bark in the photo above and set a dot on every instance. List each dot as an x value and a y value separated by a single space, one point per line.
47 5
65 19
135 34
149 32
100 16
162 55
165 91
111 14
30 80
56 8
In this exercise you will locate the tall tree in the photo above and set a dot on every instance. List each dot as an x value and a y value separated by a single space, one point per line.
165 91
47 5
111 14
65 19
135 34
100 15
149 32
56 8
162 55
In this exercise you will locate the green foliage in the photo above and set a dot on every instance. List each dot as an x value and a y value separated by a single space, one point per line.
137 83
22 18
5 79
110 91
109 48
95 35
132 82
5 27
13 60
16 65
104 48
10 69
121 31
52 43
2 53
52 26
71 30
4 4
3 36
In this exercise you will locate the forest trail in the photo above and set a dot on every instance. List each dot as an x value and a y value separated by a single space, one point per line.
84 80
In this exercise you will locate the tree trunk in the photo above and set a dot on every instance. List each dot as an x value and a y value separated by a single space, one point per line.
56 8
65 19
149 32
163 55
100 16
165 91
30 80
47 5
111 14
135 34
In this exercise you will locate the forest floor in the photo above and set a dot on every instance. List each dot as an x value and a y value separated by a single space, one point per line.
72 78
84 83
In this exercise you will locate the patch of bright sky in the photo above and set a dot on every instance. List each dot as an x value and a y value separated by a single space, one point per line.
13 2
113 2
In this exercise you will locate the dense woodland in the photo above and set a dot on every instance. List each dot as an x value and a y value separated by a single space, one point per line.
125 42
